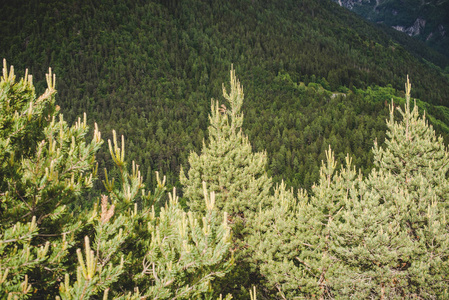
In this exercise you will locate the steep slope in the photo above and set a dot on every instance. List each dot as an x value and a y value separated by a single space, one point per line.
150 69
428 21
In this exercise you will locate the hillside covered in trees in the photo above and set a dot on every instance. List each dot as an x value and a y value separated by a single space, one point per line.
314 75
427 21
384 235
312 175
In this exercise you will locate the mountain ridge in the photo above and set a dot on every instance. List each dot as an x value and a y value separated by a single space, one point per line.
427 21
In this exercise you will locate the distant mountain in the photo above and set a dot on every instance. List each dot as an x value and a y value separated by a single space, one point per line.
427 21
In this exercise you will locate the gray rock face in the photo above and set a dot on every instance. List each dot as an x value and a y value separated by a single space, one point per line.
350 3
413 30
442 30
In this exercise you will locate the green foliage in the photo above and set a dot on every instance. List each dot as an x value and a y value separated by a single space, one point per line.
129 250
94 274
45 164
380 236
391 241
148 70
227 165
294 240
384 236
18 257
185 253
277 241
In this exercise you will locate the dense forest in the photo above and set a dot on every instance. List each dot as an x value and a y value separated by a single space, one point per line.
314 73
219 149
385 235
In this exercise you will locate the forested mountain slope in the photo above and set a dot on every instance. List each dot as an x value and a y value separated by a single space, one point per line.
427 21
149 70
384 235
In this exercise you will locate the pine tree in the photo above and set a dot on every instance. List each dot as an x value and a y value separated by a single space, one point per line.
172 254
44 165
183 254
393 242
277 244
228 167
412 147
326 205
98 268
227 164
293 241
